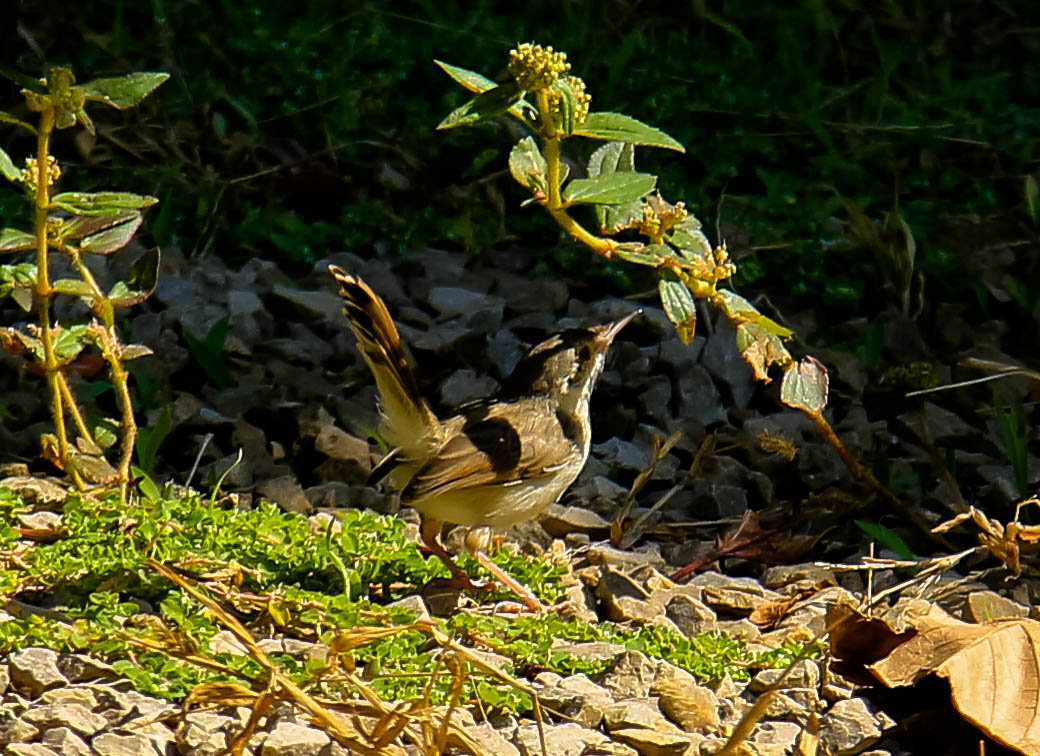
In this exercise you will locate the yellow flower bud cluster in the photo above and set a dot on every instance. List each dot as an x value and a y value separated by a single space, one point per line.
31 172
535 67
581 97
660 217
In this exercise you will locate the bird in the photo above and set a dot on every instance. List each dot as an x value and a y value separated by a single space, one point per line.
493 462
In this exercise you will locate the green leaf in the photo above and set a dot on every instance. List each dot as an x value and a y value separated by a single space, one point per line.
69 342
8 168
805 386
8 118
679 306
886 537
209 352
638 253
79 226
471 80
113 238
486 105
101 203
144 274
528 166
123 91
615 157
22 80
74 287
1032 198
14 240
622 128
149 440
739 309
611 189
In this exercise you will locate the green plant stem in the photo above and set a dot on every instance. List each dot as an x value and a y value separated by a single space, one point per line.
43 291
77 417
554 202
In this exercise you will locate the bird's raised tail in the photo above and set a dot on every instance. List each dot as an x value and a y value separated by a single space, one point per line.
408 422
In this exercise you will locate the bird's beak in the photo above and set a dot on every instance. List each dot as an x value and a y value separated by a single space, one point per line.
613 329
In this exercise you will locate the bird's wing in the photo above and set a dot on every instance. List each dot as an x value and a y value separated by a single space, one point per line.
506 443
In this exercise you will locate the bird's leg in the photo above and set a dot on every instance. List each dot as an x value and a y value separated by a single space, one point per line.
430 530
476 543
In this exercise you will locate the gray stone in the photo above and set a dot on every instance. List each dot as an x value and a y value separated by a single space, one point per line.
203 733
111 744
72 715
850 726
66 742
287 493
624 454
465 386
690 615
29 749
693 707
15 730
560 521
774 738
723 361
5 679
492 741
594 651
324 303
787 574
636 712
985 606
32 490
592 699
290 739
560 740
630 676
605 554
740 595
34 670
42 520
79 695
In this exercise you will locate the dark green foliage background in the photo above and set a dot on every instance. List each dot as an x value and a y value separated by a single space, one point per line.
287 125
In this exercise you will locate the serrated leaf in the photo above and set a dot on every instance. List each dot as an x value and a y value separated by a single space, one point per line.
471 80
528 166
694 243
622 128
111 239
69 342
123 91
805 386
638 253
738 309
14 240
610 189
612 157
489 104
23 298
760 349
101 203
679 306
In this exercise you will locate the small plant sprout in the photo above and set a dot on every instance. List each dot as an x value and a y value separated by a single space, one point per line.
75 224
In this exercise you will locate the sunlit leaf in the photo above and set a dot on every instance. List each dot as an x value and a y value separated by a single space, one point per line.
113 238
8 168
22 80
528 165
489 104
760 348
471 80
886 537
805 386
101 203
68 342
615 157
123 91
739 309
74 287
144 274
611 189
13 240
679 306
638 253
622 128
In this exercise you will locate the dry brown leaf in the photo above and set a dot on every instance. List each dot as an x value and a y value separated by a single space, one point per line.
993 670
